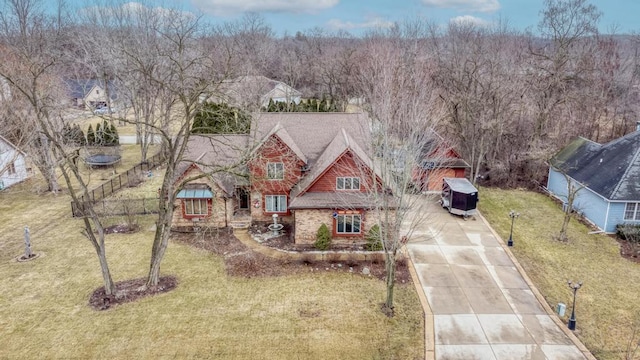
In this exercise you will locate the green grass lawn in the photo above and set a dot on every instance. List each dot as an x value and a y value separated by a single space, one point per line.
44 310
608 306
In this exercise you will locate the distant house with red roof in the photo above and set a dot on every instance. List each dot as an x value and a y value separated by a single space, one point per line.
439 160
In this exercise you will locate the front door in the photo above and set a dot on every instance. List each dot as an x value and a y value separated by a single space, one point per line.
243 198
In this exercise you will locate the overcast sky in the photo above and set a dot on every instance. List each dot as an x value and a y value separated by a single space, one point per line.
356 16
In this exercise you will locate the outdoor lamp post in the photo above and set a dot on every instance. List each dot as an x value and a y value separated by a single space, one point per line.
513 215
572 319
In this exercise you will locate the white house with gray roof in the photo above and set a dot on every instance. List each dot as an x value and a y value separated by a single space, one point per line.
13 164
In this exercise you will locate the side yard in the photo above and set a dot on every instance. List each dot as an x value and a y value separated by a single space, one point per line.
44 309
607 309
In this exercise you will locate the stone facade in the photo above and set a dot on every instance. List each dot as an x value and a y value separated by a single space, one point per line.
308 221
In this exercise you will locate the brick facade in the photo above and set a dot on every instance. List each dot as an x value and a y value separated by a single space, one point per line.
220 208
258 213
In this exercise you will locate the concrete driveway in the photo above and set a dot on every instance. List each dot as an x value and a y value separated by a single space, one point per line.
483 308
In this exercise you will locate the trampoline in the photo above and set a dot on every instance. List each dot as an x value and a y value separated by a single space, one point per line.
102 160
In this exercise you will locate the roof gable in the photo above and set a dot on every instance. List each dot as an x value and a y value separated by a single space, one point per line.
339 147
210 154
11 145
282 134
313 132
611 170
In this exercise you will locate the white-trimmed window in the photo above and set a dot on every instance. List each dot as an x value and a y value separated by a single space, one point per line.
196 207
275 203
11 169
348 224
348 183
275 171
632 211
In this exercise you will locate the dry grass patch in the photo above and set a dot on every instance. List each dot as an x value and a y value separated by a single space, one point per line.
607 305
44 309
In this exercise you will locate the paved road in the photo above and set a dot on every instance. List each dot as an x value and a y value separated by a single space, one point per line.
131 139
482 307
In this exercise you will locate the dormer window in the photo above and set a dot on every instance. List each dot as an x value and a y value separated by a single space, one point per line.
348 183
275 171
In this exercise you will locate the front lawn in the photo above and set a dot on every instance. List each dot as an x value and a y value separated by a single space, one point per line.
607 308
44 311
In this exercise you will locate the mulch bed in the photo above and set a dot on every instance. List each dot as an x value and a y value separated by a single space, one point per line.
285 242
628 251
129 291
240 261
121 229
244 262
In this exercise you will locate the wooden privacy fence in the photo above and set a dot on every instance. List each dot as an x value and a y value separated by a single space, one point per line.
129 178
117 207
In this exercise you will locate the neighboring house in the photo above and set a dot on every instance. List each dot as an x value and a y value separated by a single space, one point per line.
90 93
607 177
439 161
254 92
308 168
13 164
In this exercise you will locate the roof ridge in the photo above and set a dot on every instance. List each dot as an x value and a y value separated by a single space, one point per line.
346 137
14 146
626 171
624 137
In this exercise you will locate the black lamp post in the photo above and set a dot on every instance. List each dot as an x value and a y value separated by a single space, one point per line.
513 215
572 319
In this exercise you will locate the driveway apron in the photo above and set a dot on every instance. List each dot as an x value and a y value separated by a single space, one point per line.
482 306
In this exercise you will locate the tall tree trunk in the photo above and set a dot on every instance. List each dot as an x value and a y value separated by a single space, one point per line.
109 286
163 226
390 267
46 165
160 242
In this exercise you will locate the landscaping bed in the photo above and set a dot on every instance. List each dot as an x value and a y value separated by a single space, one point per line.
240 260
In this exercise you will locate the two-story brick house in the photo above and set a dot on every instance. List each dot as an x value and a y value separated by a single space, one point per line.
309 168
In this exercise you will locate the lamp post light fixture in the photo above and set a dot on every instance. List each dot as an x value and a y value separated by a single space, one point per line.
513 215
572 320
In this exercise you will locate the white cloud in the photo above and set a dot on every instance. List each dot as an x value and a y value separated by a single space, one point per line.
230 7
469 20
465 5
338 24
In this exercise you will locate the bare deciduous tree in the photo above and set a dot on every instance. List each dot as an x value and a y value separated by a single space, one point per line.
32 45
394 78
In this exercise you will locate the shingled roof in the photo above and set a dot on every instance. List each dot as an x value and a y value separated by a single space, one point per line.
78 89
253 90
210 152
313 132
611 170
